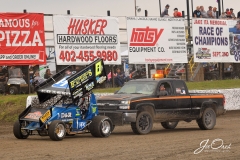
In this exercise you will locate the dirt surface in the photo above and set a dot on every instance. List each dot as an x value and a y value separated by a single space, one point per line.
160 143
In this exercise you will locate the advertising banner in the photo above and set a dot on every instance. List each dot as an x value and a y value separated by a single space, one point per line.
80 40
234 39
156 40
211 41
22 39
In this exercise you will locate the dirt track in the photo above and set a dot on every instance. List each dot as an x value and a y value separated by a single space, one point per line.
179 143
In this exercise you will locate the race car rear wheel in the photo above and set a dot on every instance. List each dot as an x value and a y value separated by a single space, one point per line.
143 124
169 125
57 130
208 119
101 126
18 132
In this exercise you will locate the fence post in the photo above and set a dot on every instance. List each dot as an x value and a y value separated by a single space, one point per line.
217 14
183 14
146 13
112 69
160 11
28 74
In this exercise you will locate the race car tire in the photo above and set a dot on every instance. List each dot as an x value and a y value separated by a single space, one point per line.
57 130
169 125
143 124
208 119
18 132
101 126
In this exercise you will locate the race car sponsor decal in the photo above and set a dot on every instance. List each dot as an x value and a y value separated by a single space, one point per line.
46 116
62 83
81 125
34 115
65 115
94 109
101 79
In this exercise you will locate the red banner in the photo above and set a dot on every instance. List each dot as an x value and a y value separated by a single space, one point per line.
22 40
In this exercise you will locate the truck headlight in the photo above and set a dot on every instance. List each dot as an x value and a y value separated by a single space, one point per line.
124 105
124 102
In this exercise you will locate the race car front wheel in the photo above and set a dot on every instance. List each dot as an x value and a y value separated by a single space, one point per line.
101 126
57 130
18 132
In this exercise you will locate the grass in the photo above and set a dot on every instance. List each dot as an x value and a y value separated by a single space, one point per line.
12 105
219 84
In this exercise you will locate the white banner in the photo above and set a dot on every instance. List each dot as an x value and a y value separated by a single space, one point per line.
80 40
156 40
212 40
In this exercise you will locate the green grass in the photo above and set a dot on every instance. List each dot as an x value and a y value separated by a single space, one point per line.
12 105
219 84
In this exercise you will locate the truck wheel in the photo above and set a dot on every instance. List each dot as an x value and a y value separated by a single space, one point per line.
57 130
113 127
18 132
13 90
143 124
208 119
169 125
101 126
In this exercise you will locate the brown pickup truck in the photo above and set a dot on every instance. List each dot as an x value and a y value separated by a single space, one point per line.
140 102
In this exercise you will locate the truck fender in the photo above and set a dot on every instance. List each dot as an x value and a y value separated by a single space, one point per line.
146 107
208 104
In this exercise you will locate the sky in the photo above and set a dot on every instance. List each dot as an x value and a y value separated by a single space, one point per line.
119 8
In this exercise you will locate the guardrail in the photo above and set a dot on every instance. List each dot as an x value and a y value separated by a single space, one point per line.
231 97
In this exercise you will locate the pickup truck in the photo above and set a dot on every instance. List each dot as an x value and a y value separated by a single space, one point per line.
140 102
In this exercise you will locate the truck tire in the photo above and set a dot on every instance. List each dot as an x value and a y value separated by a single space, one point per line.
208 119
169 125
57 130
13 90
18 132
143 124
113 127
101 126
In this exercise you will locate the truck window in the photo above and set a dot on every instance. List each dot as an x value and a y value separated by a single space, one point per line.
180 88
167 87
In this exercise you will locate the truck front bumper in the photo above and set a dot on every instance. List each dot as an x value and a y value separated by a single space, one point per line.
119 117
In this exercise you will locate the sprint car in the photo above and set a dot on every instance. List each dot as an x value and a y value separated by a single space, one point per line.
74 108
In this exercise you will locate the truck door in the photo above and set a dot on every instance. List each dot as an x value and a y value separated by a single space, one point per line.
165 103
183 107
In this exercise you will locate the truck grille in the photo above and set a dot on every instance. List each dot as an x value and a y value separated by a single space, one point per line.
107 105
109 102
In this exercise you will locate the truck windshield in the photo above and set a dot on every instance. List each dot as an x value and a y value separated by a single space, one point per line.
138 87
15 73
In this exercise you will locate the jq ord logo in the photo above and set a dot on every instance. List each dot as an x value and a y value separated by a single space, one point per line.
217 145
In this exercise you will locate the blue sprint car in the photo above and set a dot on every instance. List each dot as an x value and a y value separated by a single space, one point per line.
74 109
